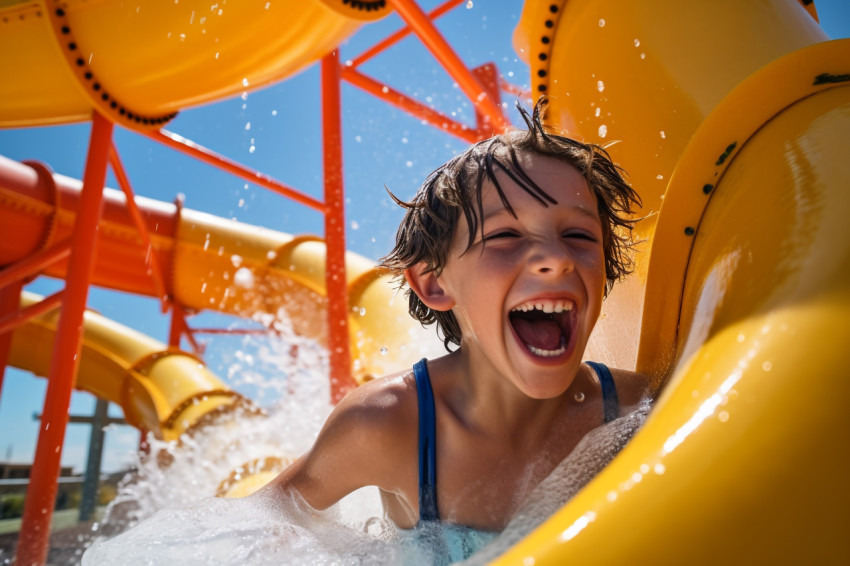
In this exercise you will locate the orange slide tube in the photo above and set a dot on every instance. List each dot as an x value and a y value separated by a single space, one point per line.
209 263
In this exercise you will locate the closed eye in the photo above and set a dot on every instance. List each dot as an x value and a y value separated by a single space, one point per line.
501 234
581 236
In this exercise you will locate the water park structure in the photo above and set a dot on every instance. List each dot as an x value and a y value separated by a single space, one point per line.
737 147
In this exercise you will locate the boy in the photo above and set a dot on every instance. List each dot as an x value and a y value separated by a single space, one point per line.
510 248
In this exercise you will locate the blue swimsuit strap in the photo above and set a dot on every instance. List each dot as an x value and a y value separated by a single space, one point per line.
609 391
428 510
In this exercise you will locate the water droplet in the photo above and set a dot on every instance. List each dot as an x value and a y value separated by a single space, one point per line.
248 126
408 163
354 225
603 131
598 112
579 397
236 260
643 55
244 278
767 366
659 177
469 5
741 337
601 23
723 416
245 82
659 468
600 86
612 496
385 89
637 42
662 134
384 351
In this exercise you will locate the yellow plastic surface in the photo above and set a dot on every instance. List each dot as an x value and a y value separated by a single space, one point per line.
149 393
744 458
643 76
289 273
155 58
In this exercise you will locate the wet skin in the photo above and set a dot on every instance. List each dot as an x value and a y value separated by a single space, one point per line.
507 411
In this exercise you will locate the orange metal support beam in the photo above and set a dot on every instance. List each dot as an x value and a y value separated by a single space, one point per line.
180 328
13 320
41 495
10 299
35 263
513 89
424 28
401 34
210 157
339 350
404 102
155 271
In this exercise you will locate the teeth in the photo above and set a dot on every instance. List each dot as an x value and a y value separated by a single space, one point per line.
548 353
546 306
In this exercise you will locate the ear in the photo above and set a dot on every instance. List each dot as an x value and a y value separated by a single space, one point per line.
428 287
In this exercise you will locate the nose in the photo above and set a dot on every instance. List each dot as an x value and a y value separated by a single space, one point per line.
551 258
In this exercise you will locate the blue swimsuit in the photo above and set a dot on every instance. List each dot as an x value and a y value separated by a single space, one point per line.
459 542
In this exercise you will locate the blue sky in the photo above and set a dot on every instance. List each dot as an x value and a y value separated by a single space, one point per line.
276 130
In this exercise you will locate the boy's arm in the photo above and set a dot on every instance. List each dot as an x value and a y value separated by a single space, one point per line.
365 441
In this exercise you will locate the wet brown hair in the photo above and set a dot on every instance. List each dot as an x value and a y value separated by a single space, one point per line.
454 190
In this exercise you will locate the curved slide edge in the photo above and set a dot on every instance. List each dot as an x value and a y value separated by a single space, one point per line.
743 459
210 263
68 58
161 390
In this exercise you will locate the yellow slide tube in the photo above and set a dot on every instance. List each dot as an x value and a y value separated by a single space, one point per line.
138 63
161 390
212 256
211 263
743 459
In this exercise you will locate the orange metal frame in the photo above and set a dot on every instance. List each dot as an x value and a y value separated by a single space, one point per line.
481 86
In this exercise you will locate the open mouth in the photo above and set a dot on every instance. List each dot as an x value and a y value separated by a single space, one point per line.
544 327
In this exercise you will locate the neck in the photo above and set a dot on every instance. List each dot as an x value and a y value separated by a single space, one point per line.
488 403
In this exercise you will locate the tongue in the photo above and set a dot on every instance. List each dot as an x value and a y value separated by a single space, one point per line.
542 334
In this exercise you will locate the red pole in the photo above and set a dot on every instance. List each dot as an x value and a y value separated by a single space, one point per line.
9 322
409 105
10 300
339 348
201 153
433 40
41 494
401 34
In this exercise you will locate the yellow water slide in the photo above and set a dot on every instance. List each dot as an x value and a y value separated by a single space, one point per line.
208 263
737 142
731 119
139 63
161 390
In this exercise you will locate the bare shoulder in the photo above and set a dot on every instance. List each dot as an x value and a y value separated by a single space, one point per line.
364 441
383 406
632 387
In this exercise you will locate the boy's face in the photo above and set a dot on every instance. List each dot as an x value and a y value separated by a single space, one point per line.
528 294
